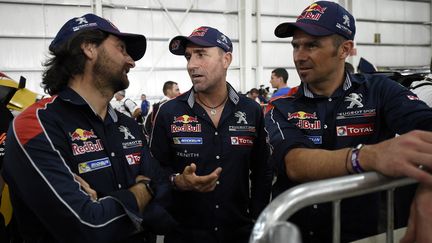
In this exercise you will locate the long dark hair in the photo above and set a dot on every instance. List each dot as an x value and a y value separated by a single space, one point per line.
68 60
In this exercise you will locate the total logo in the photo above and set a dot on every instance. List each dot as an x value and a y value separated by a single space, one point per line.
133 159
301 115
354 130
242 140
185 119
81 134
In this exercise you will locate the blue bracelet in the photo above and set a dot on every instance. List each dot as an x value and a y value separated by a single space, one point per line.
355 163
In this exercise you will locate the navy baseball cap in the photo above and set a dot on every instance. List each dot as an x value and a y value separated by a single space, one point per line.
202 36
321 18
135 44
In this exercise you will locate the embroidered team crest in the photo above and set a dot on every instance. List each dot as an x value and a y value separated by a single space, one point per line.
126 132
355 100
241 115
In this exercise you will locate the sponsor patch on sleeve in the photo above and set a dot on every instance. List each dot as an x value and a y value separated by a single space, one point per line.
93 165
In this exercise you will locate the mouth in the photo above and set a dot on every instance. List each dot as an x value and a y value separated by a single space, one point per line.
196 76
126 71
302 70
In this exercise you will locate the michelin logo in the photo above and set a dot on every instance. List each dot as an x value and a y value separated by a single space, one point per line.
93 165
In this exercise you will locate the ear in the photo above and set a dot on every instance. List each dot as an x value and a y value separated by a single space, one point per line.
346 48
89 50
227 58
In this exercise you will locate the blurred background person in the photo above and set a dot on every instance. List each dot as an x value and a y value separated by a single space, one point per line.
278 81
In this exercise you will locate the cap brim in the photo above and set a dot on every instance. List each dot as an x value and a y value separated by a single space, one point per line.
287 29
180 48
136 45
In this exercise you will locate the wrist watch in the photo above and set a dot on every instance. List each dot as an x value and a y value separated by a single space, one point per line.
149 185
172 180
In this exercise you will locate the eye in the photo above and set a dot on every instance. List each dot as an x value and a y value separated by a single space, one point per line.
122 47
313 44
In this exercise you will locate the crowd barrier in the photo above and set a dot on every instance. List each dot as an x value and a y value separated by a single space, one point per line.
272 225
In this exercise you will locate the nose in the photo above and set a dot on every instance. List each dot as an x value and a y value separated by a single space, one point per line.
192 64
299 54
130 62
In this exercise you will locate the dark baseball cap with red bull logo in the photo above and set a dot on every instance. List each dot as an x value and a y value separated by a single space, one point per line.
135 44
203 36
321 18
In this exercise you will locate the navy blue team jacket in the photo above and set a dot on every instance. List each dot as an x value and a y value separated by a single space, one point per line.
61 136
365 109
184 134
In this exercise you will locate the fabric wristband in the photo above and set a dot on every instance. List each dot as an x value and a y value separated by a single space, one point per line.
354 159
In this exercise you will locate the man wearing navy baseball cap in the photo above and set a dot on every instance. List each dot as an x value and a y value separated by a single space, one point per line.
212 142
336 123
79 171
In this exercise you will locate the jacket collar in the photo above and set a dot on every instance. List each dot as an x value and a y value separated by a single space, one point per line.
69 95
189 96
349 80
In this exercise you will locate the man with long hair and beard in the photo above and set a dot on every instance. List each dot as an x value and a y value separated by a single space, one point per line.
79 171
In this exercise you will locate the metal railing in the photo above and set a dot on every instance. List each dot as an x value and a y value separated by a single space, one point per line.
272 226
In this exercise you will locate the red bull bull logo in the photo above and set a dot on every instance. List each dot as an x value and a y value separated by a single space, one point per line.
314 7
201 31
81 134
185 119
301 115
313 12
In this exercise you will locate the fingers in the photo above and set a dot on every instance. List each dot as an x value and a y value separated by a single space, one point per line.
423 224
426 136
402 155
92 193
205 183
411 228
190 169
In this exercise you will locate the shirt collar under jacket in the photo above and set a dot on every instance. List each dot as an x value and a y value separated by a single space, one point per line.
232 95
346 85
73 97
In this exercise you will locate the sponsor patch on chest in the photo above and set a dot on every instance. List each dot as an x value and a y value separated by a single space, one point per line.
316 139
242 140
354 130
93 165
133 159
188 140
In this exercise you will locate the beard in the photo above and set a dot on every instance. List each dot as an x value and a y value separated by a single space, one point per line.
108 75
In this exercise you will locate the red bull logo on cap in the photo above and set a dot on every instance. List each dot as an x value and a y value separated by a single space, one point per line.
301 115
185 119
314 7
201 31
81 134
313 12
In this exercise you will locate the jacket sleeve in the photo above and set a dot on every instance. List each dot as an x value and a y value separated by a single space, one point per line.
403 111
39 177
159 146
282 137
261 171
155 216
